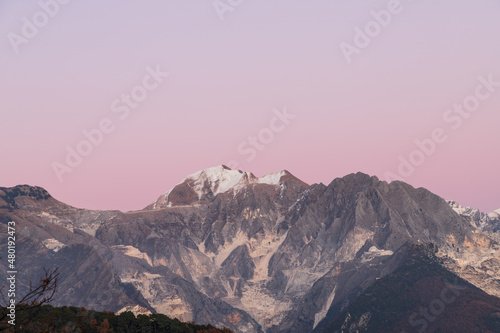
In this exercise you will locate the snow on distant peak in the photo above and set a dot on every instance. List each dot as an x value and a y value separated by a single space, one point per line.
463 210
220 179
212 181
479 218
272 178
495 214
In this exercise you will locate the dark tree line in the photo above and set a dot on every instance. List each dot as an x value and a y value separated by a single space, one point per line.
34 314
68 319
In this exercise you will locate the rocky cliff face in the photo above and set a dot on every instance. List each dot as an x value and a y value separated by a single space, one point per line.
419 296
254 254
477 218
480 263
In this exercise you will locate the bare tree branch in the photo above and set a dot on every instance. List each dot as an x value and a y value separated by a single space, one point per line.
37 296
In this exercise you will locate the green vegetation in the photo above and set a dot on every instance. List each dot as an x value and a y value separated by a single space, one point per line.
72 319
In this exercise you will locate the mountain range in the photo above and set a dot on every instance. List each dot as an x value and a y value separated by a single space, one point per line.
270 254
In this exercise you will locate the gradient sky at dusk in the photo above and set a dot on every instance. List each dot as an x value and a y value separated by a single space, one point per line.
226 78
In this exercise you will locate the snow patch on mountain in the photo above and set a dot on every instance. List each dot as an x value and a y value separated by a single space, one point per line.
495 214
478 218
217 180
220 179
463 210
272 178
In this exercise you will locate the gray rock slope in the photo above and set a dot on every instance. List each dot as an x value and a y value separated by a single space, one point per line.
253 254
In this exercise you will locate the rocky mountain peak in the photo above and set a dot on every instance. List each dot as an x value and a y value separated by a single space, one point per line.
9 195
494 214
35 192
208 183
478 218
354 180
256 254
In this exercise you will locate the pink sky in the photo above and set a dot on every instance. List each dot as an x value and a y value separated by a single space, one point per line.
225 79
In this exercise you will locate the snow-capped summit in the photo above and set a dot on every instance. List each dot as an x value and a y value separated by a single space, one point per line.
495 214
218 179
210 182
469 211
478 218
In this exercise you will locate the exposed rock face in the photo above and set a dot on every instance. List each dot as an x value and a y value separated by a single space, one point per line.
203 185
239 264
420 296
480 263
477 218
493 224
254 254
